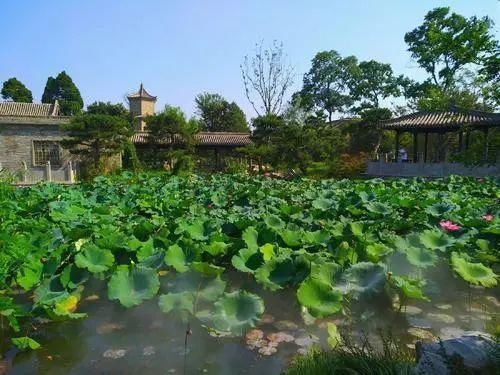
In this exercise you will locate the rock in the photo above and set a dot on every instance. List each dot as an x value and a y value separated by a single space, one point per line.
470 351
106 328
148 351
444 306
446 333
421 333
412 310
114 353
441 318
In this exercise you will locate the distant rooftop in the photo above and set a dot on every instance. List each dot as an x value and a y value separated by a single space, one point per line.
442 120
142 93
204 139
16 109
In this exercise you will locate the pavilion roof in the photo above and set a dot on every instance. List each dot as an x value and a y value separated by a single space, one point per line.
450 120
142 93
203 139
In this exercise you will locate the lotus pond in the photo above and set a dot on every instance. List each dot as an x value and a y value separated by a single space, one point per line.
229 274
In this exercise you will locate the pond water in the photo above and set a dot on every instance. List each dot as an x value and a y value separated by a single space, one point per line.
144 340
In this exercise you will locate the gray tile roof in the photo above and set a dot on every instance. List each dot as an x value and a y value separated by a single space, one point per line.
15 109
142 93
442 120
205 139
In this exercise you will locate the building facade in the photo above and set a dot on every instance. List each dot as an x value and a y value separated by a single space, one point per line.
30 142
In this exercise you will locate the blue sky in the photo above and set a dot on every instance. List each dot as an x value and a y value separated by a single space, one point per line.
181 48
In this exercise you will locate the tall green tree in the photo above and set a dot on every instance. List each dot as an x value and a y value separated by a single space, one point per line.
328 86
218 115
374 82
171 138
63 89
446 42
15 90
94 137
108 108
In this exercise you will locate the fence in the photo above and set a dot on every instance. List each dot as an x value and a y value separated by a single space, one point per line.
32 175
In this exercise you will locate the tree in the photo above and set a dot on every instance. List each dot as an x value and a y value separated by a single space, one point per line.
328 85
107 108
14 90
267 78
94 137
447 42
217 114
171 131
375 81
63 89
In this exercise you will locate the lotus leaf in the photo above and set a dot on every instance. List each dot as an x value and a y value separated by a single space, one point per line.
133 285
25 343
175 257
421 257
319 298
439 209
94 259
434 239
363 279
474 273
274 222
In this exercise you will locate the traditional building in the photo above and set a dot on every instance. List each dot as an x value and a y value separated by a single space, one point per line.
29 142
462 126
141 104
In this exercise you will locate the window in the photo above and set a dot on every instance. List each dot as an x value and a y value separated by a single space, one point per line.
44 151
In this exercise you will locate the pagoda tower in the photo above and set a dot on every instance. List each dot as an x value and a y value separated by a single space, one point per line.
141 104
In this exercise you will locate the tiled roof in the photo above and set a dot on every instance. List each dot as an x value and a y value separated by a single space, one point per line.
142 93
445 120
205 139
15 109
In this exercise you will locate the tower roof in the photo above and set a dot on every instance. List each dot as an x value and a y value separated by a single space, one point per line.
142 93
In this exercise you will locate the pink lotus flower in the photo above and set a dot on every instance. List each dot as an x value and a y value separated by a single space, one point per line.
448 225
488 217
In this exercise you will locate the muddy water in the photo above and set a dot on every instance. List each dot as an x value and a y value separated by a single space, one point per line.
142 340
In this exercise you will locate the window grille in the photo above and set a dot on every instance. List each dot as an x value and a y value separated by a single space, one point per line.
44 151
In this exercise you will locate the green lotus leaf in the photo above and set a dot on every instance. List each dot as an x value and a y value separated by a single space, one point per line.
410 287
421 257
319 297
235 312
274 222
195 230
110 239
267 251
292 238
357 228
50 292
276 273
434 239
378 208
324 271
212 290
216 248
247 260
250 236
29 275
323 204
439 209
207 268
181 303
72 276
133 285
318 237
334 337
145 250
176 258
474 273
25 343
377 251
94 259
363 279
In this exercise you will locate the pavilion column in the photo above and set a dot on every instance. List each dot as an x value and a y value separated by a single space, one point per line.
467 140
415 147
426 143
460 141
396 146
486 143
216 154
440 148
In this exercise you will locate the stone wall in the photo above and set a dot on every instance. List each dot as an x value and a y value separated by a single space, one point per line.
16 147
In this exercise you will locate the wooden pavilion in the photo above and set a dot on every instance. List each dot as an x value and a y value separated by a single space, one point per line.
438 123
